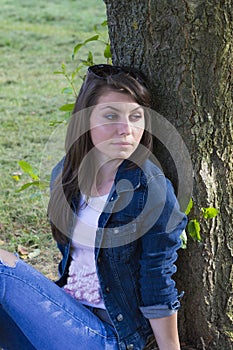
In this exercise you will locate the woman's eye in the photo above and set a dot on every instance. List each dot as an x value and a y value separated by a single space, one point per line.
136 117
111 116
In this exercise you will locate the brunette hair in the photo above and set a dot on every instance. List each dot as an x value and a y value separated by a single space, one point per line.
76 171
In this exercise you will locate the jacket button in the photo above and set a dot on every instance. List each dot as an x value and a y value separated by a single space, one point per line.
116 230
107 289
120 317
130 347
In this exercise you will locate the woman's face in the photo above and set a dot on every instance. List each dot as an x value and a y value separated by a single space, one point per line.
116 125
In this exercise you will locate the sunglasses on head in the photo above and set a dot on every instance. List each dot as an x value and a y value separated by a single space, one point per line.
105 70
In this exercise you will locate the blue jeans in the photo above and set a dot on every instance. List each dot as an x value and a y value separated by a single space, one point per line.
37 314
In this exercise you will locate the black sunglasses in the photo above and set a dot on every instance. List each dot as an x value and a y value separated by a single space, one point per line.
105 70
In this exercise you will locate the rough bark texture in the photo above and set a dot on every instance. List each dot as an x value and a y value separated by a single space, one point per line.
186 50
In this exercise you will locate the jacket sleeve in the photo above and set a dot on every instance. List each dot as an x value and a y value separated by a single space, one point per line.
164 223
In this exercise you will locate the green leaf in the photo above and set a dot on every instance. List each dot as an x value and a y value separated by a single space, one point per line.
104 23
63 67
74 73
189 207
107 51
184 239
93 38
67 107
67 90
28 184
90 59
77 47
63 71
27 168
194 230
209 213
40 184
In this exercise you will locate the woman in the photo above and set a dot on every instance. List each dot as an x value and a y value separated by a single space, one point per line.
117 224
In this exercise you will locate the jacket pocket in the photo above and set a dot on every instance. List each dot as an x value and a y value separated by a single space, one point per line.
119 236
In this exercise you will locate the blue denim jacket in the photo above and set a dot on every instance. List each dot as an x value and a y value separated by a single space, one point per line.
137 240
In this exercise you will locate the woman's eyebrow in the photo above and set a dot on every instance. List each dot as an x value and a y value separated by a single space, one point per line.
110 107
118 110
135 109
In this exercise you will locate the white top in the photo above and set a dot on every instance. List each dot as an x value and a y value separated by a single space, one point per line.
83 282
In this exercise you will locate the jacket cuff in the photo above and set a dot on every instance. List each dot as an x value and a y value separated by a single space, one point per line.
157 311
161 310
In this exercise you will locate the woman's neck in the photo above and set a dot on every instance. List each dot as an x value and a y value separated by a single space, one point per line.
105 175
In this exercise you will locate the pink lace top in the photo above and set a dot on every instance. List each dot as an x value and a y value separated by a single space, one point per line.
83 282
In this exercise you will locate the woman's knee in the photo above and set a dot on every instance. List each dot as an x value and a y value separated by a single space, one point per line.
7 258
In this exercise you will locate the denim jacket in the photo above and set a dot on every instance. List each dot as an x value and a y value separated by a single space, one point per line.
137 240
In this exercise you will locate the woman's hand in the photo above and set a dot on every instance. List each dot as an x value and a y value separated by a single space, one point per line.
166 332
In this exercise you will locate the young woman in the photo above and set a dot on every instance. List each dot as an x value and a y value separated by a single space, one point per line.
117 223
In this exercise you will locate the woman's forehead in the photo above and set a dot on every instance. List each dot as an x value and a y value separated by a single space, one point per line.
115 97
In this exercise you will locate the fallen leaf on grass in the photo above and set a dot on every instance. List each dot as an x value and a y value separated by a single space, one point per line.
16 175
23 257
23 251
34 254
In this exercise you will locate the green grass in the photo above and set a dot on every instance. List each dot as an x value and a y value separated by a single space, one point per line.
36 37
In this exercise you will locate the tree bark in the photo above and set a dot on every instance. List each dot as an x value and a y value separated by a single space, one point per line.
185 49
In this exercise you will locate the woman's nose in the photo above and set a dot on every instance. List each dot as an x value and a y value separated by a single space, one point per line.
124 128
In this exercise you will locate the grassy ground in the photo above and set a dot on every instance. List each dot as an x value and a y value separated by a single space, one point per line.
36 37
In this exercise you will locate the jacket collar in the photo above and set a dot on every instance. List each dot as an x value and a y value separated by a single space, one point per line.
128 172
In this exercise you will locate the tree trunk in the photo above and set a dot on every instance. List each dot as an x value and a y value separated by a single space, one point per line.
185 49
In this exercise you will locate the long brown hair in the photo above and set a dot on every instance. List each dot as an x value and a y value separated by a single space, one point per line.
76 172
